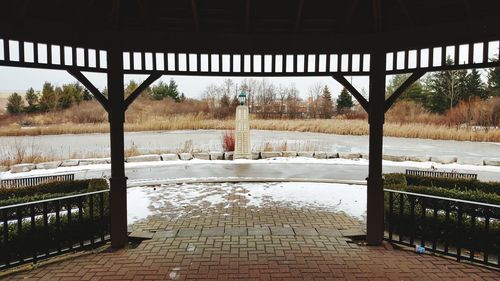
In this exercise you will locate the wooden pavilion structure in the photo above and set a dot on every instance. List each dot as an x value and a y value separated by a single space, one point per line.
334 38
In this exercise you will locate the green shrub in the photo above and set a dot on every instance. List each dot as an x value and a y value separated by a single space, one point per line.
9 196
460 184
395 179
469 195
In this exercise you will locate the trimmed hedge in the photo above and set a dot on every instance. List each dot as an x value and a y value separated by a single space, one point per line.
459 184
10 196
469 195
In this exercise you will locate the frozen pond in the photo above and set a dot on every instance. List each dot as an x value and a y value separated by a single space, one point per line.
97 145
176 200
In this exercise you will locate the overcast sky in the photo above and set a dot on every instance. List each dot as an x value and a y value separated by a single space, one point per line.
14 79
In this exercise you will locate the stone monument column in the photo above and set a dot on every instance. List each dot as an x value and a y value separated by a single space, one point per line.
242 148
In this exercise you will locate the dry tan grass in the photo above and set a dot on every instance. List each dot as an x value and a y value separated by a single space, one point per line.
200 121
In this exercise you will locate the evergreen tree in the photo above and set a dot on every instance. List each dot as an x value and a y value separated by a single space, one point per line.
183 97
87 96
474 87
31 98
326 106
494 81
69 95
15 104
173 92
344 101
162 90
446 89
415 92
48 99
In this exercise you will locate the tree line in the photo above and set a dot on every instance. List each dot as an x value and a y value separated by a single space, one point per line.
441 91
268 100
437 92
52 98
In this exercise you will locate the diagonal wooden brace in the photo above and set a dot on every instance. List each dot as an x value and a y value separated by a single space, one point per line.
400 90
359 97
135 94
92 89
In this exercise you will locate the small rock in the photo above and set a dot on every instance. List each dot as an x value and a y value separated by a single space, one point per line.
185 156
70 163
331 155
289 153
22 168
418 158
144 158
201 155
365 156
216 155
492 162
470 161
346 155
270 154
170 157
48 165
255 155
395 158
228 155
93 161
320 155
444 159
308 154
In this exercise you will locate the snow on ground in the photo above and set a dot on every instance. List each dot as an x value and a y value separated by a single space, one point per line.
180 198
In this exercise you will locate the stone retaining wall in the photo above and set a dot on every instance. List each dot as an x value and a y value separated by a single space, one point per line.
255 155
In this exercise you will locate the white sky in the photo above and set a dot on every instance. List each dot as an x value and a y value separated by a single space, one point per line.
14 79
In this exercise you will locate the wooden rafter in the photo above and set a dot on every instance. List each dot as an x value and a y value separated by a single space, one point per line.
355 93
401 89
350 13
92 89
406 12
247 15
142 11
377 15
196 20
115 11
298 17
137 92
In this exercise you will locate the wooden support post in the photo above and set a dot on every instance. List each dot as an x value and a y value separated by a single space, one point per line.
375 181
118 191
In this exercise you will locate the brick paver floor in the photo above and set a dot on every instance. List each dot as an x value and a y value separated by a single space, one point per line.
276 241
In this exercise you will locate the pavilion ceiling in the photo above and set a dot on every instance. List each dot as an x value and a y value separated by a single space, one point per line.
250 25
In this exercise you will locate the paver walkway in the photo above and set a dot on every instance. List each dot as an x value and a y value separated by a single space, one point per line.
235 242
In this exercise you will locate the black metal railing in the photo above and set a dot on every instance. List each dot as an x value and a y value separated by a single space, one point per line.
437 174
462 229
22 182
37 230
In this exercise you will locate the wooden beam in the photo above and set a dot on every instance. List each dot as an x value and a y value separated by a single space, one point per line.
135 94
406 12
298 18
92 89
401 89
142 11
115 11
247 15
350 13
358 96
196 20
377 15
